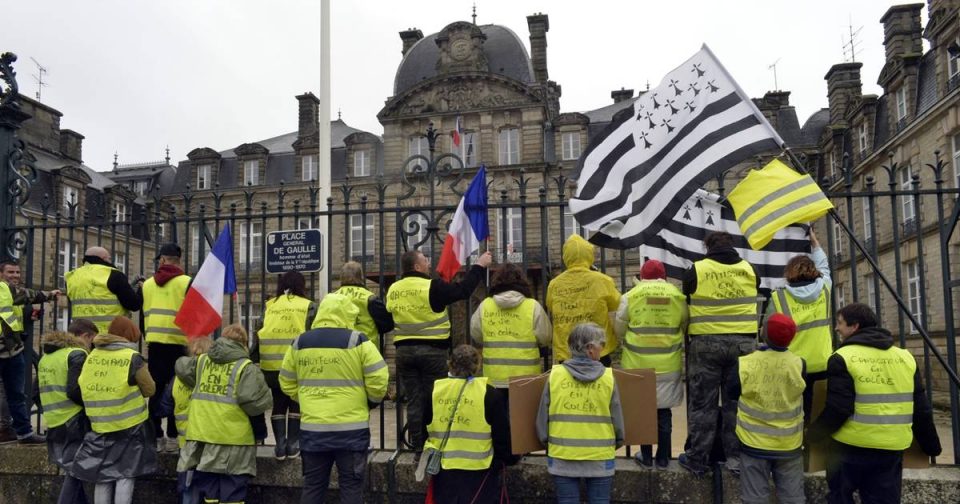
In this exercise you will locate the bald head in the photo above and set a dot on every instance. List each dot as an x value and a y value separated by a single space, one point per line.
100 252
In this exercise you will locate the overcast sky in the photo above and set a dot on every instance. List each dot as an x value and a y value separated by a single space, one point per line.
136 76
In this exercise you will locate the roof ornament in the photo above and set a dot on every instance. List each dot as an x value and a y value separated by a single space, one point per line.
115 164
168 155
339 114
474 13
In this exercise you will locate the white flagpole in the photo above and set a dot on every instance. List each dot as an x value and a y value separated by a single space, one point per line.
323 157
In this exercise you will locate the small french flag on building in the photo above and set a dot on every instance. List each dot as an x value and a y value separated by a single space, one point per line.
468 228
202 310
458 132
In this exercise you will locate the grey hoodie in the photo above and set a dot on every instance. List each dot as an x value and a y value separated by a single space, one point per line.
808 293
542 329
585 370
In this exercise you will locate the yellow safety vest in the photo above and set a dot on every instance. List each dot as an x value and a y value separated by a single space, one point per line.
52 379
725 301
509 343
409 301
469 445
284 319
359 297
770 411
112 404
813 341
160 307
181 408
6 305
215 415
89 296
17 324
654 337
883 409
579 422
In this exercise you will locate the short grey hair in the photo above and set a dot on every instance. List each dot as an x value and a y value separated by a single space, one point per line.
585 334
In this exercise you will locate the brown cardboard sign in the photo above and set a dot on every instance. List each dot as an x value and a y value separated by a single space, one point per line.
638 399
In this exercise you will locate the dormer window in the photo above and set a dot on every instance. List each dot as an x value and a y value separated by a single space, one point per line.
204 177
251 173
141 187
902 103
71 199
571 145
308 165
862 136
361 163
120 215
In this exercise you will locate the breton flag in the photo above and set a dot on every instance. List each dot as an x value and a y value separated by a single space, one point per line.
769 199
457 132
680 242
202 309
639 172
467 229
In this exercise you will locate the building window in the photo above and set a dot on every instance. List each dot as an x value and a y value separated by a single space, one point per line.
837 241
871 283
251 173
867 222
514 230
862 134
71 198
161 232
509 146
361 235
833 166
63 317
418 222
361 163
195 245
902 103
913 291
69 250
120 261
120 216
570 224
203 177
308 223
953 64
469 142
418 145
251 322
571 145
840 301
956 160
141 187
906 185
308 168
251 245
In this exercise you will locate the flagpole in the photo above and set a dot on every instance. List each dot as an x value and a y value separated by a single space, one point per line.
323 129
876 269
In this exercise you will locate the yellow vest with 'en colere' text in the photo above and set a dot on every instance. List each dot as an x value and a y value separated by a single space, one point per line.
725 301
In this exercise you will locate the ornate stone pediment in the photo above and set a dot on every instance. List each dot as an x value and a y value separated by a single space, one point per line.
361 137
74 173
251 149
311 141
572 118
462 93
203 153
461 49
121 191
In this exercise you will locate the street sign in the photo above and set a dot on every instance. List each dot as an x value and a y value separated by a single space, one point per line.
295 250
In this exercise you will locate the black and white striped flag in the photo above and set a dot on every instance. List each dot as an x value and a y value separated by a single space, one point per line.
681 134
680 242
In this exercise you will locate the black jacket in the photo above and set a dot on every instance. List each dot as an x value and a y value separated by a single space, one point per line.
841 395
443 294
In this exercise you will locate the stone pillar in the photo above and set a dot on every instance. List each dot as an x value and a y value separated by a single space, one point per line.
539 26
71 145
902 31
410 37
621 94
843 86
309 108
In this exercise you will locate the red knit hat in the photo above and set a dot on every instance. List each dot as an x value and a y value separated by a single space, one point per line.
652 270
780 330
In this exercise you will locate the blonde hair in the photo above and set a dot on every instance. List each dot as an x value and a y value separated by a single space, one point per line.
199 346
235 332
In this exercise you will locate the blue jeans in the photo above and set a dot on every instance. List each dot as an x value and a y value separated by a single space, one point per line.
12 372
568 489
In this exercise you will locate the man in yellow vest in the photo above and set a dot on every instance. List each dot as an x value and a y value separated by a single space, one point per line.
651 320
579 295
98 291
875 408
769 393
374 320
721 292
421 335
162 295
13 363
337 375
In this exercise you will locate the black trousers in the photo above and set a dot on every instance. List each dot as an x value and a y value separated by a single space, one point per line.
282 404
351 470
664 433
876 475
418 366
455 486
223 488
161 358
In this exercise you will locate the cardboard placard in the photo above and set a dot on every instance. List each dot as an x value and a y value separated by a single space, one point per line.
638 399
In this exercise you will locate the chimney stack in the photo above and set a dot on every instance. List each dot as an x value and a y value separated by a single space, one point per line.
902 31
410 37
539 25
309 112
843 86
621 94
71 145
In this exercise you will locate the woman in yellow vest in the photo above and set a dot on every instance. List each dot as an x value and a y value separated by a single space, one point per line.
287 316
580 420
114 385
467 421
227 392
510 326
806 299
57 374
374 320
769 390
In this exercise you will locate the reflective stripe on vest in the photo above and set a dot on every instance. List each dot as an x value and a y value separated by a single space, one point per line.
579 423
509 343
6 304
469 445
215 415
17 320
359 297
112 404
813 341
725 301
332 393
409 301
654 337
284 319
770 411
160 306
883 408
52 380
90 298
181 408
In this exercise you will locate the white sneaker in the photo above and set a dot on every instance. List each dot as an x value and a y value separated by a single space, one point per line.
170 445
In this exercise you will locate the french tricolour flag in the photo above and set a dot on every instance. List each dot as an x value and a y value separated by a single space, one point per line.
467 229
202 309
458 132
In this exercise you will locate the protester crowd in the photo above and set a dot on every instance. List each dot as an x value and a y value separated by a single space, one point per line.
751 362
